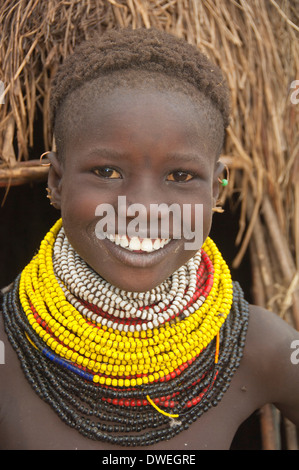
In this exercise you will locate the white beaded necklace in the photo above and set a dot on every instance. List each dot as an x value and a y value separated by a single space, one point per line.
80 283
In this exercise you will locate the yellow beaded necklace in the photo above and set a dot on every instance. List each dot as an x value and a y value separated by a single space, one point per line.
119 358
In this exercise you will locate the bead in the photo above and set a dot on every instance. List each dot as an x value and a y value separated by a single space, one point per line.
174 362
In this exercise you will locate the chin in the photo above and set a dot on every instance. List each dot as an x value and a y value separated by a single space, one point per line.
129 270
138 281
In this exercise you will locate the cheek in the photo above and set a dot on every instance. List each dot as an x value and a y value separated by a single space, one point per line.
197 229
79 203
78 215
199 214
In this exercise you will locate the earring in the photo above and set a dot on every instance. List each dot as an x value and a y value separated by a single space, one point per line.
42 156
224 181
218 209
49 195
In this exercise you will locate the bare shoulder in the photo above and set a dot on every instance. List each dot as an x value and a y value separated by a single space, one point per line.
268 330
270 335
3 343
6 352
10 371
272 353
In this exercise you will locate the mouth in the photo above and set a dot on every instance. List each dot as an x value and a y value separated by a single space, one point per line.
138 245
139 252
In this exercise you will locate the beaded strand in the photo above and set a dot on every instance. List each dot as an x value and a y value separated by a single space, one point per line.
115 355
78 402
116 382
77 277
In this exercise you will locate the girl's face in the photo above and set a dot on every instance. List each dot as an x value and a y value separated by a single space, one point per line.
150 147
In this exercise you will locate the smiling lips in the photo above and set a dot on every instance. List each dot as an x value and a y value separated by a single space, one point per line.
146 245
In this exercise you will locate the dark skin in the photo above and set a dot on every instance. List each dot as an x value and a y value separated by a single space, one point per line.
144 140
141 130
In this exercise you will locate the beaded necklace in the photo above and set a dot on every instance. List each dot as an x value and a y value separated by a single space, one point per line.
123 367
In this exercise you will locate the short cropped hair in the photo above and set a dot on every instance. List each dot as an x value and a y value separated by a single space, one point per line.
148 50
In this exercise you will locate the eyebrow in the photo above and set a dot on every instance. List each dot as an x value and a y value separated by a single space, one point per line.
195 158
190 157
105 152
175 156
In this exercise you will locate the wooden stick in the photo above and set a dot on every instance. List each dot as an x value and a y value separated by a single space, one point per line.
291 435
23 173
282 252
267 420
278 240
269 428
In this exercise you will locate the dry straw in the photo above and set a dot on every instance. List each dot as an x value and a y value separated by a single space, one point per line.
256 44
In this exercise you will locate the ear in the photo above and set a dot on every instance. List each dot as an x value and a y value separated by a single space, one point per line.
219 167
55 179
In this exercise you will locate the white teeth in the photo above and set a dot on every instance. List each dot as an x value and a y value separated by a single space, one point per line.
137 244
157 244
147 245
124 241
117 239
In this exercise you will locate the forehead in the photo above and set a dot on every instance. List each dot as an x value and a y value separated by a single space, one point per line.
134 103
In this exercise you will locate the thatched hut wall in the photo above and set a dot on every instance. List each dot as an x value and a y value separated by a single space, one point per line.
255 42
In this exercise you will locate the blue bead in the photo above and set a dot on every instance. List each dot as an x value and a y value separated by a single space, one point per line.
62 362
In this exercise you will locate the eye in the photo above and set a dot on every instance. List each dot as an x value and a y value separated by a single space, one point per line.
180 176
106 172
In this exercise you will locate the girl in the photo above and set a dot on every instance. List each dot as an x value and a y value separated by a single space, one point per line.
123 337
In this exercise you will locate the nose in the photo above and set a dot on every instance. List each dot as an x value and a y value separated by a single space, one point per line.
144 192
146 212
